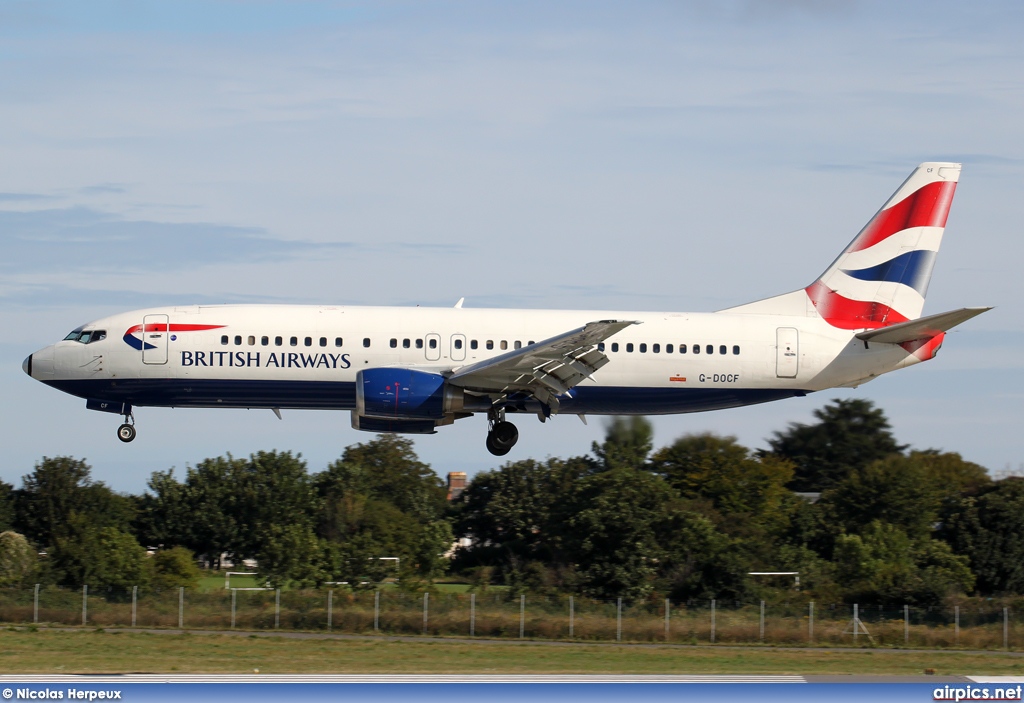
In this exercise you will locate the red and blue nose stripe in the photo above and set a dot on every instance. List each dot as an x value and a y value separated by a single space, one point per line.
136 343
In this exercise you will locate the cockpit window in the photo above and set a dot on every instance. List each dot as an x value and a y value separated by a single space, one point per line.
86 336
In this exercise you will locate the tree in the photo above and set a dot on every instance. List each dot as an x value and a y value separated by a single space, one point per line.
719 469
849 434
6 506
175 568
883 563
60 487
898 490
610 535
17 559
628 441
100 557
387 468
989 530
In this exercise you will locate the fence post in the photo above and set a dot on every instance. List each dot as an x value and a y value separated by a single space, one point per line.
472 614
330 609
234 593
761 631
1006 628
35 608
810 624
572 616
135 603
856 622
85 603
376 610
712 621
618 620
426 600
277 609
668 606
522 615
181 607
906 624
956 625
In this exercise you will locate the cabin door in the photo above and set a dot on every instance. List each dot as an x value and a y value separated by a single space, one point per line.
154 339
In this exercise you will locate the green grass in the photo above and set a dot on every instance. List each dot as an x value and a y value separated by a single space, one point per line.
89 651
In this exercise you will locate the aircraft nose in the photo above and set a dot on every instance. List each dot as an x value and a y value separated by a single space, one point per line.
26 365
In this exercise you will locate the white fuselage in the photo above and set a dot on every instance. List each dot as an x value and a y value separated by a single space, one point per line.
278 356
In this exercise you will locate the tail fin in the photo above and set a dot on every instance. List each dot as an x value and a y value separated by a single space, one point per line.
882 277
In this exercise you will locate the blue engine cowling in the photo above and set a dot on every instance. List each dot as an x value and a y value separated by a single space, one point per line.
400 394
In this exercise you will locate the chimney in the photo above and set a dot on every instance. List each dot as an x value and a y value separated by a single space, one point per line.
456 484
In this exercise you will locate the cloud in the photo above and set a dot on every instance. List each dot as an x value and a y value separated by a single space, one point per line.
83 239
24 197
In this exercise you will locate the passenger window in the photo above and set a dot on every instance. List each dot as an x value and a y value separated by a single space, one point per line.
419 343
252 340
615 346
736 349
432 344
308 341
656 348
668 348
643 348
366 342
294 341
323 341
696 349
518 344
278 341
721 349
710 349
458 344
223 339
600 346
490 344
337 341
265 341
406 344
682 348
504 345
393 343
629 347
238 340
473 344
530 342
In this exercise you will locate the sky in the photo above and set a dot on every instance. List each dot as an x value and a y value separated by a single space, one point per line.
667 156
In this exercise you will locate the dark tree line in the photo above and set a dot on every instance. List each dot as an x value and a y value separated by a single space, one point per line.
687 520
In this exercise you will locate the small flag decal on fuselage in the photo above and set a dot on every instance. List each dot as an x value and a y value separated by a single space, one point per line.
680 379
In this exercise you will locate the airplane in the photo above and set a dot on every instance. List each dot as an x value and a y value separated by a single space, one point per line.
412 370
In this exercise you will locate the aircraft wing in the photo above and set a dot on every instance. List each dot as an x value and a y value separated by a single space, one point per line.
921 328
544 369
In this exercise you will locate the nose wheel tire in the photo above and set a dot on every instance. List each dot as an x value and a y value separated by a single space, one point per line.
502 437
126 433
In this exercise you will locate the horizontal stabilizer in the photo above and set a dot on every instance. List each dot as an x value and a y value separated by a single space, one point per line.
921 328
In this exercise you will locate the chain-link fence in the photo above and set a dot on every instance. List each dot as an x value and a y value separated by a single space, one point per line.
974 625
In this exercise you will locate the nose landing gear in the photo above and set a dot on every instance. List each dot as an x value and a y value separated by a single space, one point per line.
126 432
501 435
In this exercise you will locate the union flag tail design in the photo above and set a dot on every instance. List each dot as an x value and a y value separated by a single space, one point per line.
882 277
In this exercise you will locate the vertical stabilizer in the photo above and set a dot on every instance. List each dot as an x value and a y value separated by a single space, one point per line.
882 277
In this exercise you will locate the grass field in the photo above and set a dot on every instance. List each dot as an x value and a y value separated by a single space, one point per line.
90 651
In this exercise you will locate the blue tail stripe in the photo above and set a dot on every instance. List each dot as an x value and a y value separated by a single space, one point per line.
912 269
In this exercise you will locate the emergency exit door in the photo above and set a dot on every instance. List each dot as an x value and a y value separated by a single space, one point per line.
787 361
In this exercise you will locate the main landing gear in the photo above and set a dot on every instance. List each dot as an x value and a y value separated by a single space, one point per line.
126 432
501 434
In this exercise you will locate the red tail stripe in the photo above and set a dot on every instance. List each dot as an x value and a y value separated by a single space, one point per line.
848 314
925 207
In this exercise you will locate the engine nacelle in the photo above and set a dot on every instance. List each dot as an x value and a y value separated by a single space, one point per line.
405 394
